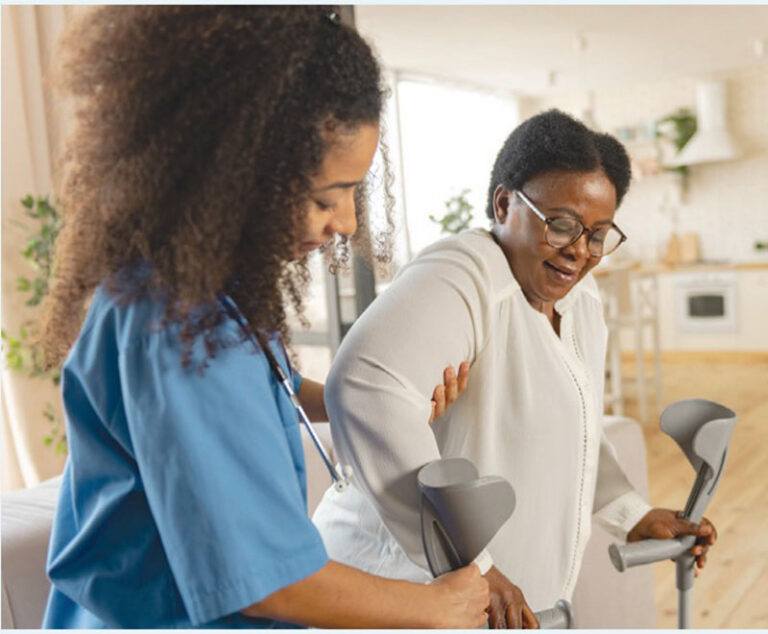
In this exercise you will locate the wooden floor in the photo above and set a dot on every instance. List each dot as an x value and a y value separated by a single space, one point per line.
732 591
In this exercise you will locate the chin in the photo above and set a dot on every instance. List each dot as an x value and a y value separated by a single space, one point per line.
555 292
555 286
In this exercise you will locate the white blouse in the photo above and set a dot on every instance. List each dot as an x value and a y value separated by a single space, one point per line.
532 413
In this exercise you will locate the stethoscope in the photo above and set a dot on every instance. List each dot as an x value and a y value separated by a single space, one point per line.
340 477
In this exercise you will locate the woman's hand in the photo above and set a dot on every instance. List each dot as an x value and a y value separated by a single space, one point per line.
444 395
463 598
666 524
508 609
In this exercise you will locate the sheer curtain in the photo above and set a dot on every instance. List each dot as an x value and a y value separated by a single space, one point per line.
32 128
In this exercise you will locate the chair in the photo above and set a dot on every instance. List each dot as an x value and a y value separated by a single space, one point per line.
630 301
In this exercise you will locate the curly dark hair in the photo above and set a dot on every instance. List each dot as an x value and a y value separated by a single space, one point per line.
198 129
553 140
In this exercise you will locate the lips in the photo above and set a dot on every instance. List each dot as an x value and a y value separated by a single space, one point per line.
561 274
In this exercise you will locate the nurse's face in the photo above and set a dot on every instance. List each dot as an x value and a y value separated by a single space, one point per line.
331 206
546 273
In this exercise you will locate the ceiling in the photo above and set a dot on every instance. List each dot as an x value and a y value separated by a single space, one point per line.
531 50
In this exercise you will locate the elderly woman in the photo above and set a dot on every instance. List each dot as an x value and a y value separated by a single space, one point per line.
518 303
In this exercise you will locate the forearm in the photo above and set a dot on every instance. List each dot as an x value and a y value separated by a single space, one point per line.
312 400
337 596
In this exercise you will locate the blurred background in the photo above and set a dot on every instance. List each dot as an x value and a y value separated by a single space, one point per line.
685 88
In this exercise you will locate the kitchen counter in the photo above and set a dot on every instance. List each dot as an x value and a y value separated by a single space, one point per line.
743 287
663 267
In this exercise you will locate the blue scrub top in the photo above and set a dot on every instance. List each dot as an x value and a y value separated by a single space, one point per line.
184 497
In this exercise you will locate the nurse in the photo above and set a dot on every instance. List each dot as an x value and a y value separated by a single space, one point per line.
215 148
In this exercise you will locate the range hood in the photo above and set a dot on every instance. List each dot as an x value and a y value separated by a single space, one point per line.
712 141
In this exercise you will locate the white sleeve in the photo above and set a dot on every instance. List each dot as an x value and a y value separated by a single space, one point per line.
379 389
617 506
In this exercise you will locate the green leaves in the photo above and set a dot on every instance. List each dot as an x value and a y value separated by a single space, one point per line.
22 353
458 214
14 354
57 438
38 250
678 128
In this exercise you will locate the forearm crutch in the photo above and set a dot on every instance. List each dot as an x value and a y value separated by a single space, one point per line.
702 429
460 514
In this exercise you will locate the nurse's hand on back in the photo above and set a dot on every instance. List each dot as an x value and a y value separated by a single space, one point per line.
215 148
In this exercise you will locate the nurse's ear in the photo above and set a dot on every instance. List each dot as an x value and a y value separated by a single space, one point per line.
501 202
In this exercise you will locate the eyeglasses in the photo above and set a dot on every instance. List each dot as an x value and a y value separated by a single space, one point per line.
561 232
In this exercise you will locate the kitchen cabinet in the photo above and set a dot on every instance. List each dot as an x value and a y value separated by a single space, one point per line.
652 309
741 289
743 292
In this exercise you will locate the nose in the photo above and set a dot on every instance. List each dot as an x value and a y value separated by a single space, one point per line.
578 250
344 220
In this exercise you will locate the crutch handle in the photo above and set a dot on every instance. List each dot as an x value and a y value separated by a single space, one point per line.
647 551
559 617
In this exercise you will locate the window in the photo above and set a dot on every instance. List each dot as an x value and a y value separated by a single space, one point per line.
442 139
450 137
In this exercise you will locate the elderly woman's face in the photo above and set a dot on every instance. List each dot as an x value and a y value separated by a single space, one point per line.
545 273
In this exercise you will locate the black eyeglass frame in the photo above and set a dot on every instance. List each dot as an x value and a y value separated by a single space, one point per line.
590 232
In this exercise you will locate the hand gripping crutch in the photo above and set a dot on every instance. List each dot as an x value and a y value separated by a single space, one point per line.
460 514
702 429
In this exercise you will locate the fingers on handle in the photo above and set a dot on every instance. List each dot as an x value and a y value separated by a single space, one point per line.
709 530
495 616
529 618
514 620
685 527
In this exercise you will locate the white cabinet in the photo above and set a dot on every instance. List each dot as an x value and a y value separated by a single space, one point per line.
741 293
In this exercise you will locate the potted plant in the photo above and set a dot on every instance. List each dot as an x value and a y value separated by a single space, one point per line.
22 352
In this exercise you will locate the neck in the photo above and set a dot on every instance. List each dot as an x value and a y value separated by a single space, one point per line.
548 308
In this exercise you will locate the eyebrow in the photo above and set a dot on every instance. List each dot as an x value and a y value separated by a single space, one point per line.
339 185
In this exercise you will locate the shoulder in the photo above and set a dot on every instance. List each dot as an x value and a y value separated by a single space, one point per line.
126 319
472 254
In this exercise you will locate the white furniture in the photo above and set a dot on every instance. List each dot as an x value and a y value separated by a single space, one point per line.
26 526
746 297
603 597
630 298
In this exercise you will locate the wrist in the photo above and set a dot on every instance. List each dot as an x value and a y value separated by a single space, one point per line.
432 613
638 532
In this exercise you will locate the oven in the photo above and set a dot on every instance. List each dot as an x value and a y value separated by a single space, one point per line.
706 301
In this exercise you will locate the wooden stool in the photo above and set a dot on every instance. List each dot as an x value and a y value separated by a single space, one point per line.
630 299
